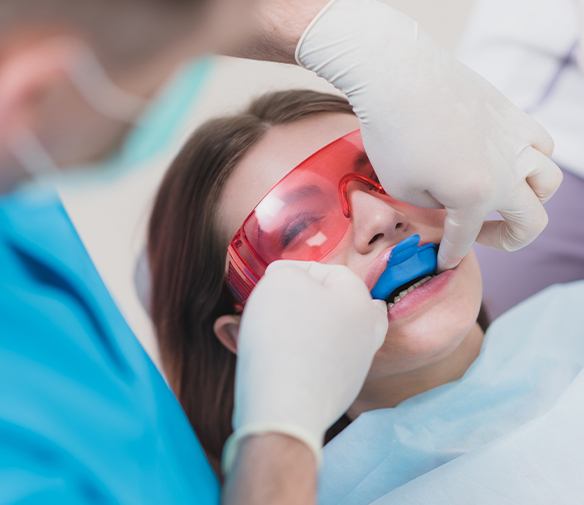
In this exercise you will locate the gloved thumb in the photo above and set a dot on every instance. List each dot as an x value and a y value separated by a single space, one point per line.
380 324
461 228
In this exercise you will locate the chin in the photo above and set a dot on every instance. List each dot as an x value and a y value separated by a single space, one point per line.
431 335
419 345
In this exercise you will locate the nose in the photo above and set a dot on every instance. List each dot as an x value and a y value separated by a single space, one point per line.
377 220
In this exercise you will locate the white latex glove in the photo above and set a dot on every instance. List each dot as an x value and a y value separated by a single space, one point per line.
437 133
306 342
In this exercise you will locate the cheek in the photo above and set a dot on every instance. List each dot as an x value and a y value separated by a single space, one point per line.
437 332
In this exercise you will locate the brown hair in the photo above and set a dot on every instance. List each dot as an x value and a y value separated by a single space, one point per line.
187 257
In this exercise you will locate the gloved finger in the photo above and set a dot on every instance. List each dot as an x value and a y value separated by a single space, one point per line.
287 264
461 228
523 221
339 278
543 175
539 137
330 276
319 272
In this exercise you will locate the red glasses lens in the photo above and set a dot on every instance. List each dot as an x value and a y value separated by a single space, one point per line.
303 217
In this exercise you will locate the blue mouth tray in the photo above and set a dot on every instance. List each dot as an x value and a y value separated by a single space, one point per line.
408 261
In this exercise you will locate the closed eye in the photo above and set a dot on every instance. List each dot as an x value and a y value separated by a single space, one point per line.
296 227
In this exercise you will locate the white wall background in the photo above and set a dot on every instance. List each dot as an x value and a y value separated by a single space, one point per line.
110 216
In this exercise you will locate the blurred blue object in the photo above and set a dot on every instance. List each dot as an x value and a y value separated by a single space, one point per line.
85 416
531 358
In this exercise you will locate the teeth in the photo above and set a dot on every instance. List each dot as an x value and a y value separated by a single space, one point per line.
403 293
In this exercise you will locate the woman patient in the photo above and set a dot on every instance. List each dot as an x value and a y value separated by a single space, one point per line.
217 180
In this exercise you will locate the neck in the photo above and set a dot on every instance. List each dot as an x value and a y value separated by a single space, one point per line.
393 389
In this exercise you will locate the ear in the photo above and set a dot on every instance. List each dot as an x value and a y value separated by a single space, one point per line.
226 329
27 72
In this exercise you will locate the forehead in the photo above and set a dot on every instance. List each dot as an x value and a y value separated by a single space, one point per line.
281 149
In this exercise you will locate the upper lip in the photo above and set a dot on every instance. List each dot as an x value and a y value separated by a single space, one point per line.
377 267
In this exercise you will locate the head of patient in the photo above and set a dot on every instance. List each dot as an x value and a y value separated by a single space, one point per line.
217 180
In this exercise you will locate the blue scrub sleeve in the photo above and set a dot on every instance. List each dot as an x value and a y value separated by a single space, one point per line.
30 474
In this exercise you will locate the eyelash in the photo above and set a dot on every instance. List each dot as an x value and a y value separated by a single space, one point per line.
296 227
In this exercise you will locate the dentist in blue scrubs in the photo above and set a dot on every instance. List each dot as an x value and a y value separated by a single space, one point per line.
85 417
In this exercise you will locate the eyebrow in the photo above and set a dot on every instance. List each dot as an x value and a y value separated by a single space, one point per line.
301 193
361 160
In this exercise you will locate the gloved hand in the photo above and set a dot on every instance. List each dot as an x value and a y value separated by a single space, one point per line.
307 338
437 133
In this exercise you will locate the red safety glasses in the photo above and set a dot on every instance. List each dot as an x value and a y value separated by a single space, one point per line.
303 217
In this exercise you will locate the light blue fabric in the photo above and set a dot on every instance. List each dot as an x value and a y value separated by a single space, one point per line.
85 417
541 463
530 357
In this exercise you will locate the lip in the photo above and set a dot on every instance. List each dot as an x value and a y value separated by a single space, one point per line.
421 296
377 268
